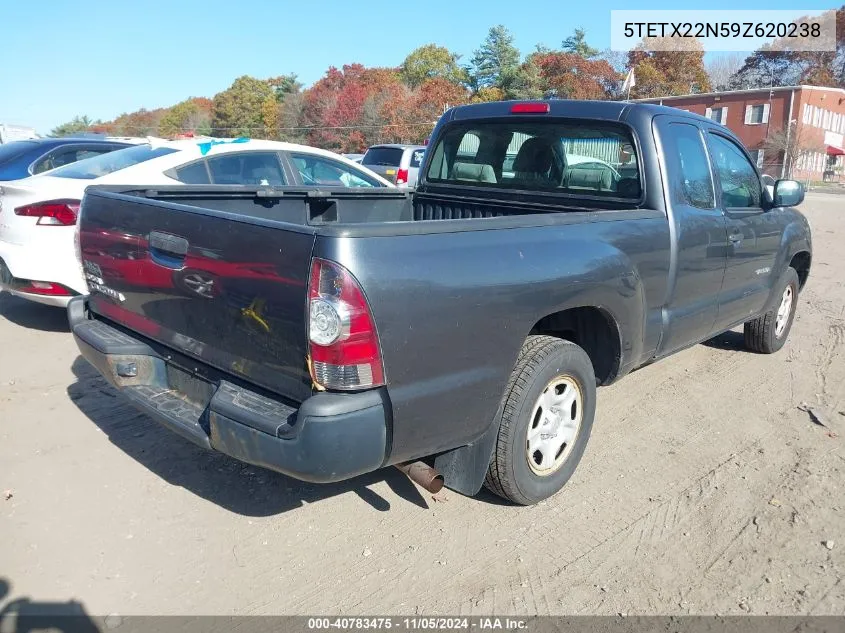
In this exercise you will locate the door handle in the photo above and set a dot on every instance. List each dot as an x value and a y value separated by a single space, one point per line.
168 250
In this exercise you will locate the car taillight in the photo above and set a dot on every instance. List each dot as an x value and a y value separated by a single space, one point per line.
52 213
402 177
344 347
44 288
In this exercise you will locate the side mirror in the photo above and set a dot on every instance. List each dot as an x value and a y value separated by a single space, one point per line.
788 193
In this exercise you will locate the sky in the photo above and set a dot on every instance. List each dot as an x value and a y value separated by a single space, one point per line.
96 58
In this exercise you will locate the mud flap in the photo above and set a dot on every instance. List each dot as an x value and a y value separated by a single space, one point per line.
464 468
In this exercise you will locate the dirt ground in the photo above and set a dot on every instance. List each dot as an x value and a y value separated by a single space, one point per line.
704 490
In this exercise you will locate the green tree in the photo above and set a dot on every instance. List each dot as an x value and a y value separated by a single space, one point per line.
431 62
284 85
238 110
75 126
577 43
522 82
497 58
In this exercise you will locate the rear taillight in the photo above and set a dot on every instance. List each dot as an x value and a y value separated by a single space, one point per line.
402 177
44 288
344 347
52 213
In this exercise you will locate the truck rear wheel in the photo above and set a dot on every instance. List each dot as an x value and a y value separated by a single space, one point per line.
548 411
767 333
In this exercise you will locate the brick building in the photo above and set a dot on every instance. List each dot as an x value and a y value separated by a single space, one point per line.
812 114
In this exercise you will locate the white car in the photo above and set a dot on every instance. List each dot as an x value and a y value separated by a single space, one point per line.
38 214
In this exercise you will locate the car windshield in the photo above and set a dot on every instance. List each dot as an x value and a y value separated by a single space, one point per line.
384 156
580 157
10 151
104 164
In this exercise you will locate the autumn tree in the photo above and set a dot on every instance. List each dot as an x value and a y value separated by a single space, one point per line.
430 62
238 110
142 122
572 76
430 102
677 71
192 115
577 45
497 58
77 125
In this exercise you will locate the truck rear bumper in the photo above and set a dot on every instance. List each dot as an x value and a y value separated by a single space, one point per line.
329 437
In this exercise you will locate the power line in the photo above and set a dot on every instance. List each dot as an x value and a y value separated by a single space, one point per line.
273 127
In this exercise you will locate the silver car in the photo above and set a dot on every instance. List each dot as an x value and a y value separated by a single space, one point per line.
400 164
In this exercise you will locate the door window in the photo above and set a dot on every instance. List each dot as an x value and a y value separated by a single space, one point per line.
738 180
691 181
316 170
246 168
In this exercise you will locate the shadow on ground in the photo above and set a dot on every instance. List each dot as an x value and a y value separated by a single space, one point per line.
33 315
730 340
24 615
226 482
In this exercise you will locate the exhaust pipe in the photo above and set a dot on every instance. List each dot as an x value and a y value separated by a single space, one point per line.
423 475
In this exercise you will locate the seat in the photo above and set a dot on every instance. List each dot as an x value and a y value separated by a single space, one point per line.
534 161
595 178
474 172
257 169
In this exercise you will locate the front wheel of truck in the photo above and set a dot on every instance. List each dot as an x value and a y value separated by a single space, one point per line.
548 411
767 333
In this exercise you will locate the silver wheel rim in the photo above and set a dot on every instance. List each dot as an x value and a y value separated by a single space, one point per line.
554 425
784 310
203 286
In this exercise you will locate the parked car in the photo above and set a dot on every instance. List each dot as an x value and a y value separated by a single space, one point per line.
466 324
398 163
22 159
355 158
38 214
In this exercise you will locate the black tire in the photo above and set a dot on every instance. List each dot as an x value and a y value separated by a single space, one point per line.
541 360
761 333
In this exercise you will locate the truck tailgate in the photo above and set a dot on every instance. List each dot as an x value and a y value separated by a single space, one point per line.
225 289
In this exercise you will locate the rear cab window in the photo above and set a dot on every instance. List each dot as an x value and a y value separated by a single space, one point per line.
578 157
383 156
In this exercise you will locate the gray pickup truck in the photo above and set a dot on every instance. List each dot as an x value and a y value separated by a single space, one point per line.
458 331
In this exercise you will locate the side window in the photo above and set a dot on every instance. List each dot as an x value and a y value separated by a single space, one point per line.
193 174
738 180
316 170
246 168
416 158
690 180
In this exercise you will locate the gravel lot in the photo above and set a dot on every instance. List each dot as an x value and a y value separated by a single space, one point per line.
704 489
